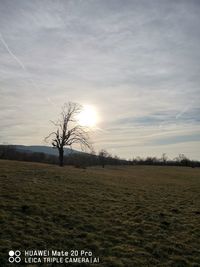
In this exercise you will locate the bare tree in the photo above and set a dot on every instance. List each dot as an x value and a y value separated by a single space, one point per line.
103 154
164 158
69 131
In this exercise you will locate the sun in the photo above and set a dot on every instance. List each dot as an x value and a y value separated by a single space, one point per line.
88 116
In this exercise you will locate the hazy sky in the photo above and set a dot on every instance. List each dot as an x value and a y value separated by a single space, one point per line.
136 61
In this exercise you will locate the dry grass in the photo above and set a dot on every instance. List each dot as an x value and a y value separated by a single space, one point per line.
128 216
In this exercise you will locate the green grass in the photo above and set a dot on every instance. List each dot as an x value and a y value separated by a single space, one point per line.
128 216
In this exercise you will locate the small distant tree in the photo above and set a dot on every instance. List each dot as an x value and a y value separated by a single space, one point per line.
164 158
183 160
69 131
103 154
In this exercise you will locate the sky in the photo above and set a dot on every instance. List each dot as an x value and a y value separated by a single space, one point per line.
136 61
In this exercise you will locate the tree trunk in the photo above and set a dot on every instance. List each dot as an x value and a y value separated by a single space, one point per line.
61 158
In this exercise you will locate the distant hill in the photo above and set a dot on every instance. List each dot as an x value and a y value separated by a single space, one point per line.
44 149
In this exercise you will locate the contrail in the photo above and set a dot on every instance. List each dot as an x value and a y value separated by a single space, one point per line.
11 53
20 63
182 112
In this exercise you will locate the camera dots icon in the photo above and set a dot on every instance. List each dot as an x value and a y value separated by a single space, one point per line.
14 256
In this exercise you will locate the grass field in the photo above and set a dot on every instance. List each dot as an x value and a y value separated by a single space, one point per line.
128 216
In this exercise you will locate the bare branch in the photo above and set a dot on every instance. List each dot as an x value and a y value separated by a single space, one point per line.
47 137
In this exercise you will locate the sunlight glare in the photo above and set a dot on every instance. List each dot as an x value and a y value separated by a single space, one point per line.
88 116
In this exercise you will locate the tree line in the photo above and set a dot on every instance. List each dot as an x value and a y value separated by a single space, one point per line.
83 160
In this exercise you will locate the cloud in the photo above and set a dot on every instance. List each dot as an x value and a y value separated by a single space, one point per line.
160 118
138 63
177 139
